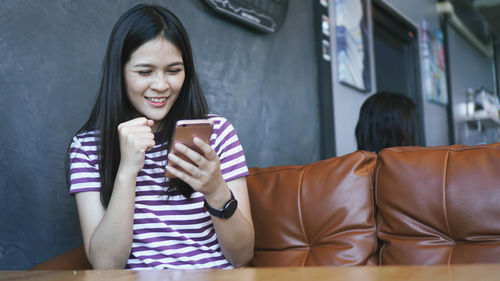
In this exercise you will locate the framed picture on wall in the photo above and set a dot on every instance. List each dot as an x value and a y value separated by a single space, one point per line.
433 64
264 16
353 55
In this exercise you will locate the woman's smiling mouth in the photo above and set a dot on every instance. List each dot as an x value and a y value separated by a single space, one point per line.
156 101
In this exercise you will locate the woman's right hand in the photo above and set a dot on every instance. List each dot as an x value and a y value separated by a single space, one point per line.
136 137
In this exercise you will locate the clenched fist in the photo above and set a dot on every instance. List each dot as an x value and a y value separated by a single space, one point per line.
136 137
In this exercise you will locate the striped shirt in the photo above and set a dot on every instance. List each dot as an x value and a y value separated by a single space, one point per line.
169 231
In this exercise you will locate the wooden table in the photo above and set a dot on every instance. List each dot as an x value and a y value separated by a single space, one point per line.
364 273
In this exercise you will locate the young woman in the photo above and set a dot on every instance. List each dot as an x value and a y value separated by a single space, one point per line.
131 215
385 120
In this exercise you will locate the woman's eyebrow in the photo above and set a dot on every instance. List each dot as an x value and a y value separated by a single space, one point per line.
143 65
152 65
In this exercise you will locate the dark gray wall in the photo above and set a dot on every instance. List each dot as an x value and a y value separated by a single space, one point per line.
497 67
51 58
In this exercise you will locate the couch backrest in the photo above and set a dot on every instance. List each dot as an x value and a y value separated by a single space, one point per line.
438 205
316 214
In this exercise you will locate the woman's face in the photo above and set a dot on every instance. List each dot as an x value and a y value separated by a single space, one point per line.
154 76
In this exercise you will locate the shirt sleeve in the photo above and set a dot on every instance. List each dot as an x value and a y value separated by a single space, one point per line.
226 144
83 165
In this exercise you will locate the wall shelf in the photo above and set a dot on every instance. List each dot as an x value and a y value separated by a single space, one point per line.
479 129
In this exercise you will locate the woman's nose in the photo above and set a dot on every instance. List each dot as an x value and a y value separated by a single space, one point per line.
160 83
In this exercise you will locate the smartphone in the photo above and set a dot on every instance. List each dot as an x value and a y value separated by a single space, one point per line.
185 131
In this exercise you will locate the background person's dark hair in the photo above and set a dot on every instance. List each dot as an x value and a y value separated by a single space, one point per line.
137 26
386 120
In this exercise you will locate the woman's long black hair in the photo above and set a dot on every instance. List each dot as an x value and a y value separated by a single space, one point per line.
385 120
137 26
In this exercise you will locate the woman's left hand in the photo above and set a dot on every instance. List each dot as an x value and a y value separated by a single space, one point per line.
205 176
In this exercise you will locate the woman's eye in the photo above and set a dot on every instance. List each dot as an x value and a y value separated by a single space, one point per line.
175 70
144 72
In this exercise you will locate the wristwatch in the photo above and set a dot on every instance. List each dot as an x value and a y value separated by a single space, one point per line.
226 212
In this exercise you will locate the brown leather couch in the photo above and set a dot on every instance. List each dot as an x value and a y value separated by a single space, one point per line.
404 206
435 205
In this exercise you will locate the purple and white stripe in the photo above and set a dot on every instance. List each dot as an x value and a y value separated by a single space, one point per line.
169 231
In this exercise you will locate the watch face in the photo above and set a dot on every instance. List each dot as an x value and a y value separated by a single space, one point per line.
230 208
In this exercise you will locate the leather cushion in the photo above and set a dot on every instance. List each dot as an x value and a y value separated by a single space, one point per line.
315 214
438 205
